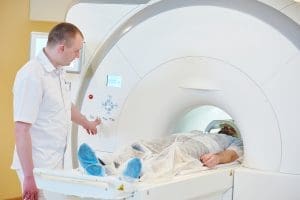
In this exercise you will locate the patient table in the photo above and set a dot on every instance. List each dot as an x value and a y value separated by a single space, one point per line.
211 183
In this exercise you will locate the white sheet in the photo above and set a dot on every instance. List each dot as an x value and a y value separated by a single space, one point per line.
178 154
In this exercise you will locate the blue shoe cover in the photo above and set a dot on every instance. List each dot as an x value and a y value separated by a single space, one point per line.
95 170
86 155
88 160
133 168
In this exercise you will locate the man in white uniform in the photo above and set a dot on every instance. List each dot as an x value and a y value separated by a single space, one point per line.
43 110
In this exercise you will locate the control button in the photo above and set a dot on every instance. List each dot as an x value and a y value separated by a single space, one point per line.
91 96
109 105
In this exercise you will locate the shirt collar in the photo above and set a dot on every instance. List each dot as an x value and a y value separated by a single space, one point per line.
47 65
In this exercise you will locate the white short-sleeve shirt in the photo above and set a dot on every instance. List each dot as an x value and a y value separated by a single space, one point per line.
42 98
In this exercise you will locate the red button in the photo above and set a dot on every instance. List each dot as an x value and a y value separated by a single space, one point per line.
91 96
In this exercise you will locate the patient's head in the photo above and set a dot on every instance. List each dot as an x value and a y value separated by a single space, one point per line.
228 130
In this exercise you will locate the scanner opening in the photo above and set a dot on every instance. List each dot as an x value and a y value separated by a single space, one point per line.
199 118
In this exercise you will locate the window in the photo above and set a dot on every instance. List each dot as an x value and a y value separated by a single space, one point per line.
38 41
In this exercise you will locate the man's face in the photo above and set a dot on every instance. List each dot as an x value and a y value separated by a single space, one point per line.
72 50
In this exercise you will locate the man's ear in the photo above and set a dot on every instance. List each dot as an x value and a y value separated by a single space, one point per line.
60 48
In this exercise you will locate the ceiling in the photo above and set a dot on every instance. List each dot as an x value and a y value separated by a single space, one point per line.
56 10
49 10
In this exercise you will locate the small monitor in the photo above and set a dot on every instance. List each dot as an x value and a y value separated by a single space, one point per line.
114 81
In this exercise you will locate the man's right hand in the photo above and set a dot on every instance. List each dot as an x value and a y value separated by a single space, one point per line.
91 126
30 191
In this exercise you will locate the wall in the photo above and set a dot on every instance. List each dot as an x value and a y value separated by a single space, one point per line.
15 28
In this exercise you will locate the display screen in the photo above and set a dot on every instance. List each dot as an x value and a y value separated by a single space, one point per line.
114 81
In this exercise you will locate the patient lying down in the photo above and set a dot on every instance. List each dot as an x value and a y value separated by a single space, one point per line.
166 157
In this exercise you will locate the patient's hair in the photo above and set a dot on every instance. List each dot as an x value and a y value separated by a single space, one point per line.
228 130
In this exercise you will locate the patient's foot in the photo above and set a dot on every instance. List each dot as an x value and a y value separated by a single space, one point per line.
88 160
133 168
95 170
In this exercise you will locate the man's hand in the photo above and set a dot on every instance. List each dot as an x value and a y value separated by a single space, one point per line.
30 191
210 160
91 126
78 118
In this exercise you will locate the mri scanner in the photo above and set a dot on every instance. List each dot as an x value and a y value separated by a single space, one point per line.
150 62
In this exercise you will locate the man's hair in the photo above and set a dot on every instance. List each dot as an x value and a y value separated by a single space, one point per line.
63 32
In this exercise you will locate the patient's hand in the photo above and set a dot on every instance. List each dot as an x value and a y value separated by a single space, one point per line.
210 160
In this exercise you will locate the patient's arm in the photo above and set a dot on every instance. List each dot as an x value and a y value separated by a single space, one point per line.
210 160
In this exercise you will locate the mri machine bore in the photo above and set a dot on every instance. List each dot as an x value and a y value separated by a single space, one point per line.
150 62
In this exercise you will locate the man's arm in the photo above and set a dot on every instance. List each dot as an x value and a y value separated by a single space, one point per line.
24 150
210 160
78 118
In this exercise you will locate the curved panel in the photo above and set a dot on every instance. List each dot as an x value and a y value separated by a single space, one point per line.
102 21
230 35
283 89
104 99
154 106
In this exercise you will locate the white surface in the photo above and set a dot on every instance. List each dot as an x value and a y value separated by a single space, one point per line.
106 139
211 184
293 12
102 21
278 4
76 183
231 36
259 185
286 102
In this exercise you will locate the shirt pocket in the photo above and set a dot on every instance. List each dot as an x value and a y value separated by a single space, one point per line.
53 97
